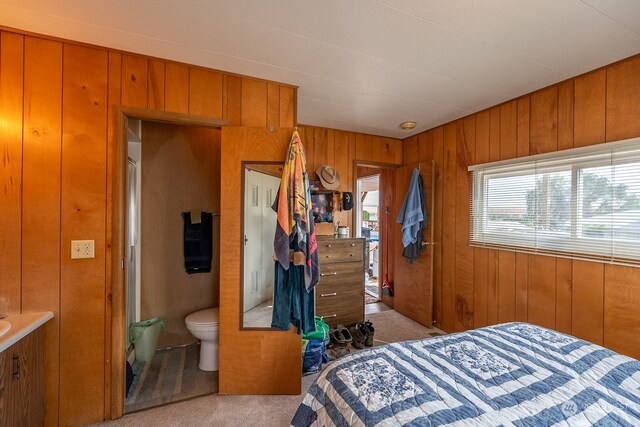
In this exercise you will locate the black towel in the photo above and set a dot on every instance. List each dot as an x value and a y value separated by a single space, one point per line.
198 240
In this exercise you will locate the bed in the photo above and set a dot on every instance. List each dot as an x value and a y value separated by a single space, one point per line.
508 374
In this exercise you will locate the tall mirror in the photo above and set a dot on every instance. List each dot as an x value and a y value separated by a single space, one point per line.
261 182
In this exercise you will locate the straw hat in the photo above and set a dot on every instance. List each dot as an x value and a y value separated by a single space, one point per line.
329 177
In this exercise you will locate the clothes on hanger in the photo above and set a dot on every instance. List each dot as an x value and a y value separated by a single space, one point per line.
413 217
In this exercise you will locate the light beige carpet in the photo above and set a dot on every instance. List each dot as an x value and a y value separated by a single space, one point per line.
221 410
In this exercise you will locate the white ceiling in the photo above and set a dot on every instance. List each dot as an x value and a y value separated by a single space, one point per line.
361 65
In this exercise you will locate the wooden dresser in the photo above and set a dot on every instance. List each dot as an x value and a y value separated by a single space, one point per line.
340 293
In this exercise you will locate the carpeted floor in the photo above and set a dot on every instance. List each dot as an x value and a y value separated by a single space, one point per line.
225 410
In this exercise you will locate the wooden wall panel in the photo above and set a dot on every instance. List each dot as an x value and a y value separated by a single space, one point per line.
523 126
388 150
543 126
273 105
565 115
621 314
465 156
564 282
542 291
287 113
587 301
493 269
176 89
232 100
83 216
112 308
155 85
134 81
449 227
411 148
508 130
254 103
438 158
506 286
522 286
590 99
205 92
494 134
623 100
11 82
376 148
41 198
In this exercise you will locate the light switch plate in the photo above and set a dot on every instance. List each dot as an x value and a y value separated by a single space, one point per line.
82 249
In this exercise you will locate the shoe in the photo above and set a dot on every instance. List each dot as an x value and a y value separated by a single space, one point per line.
340 336
337 351
370 331
358 335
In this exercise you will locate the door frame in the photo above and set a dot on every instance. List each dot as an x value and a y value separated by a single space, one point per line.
387 233
116 304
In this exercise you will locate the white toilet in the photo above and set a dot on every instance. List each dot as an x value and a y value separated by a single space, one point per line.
205 325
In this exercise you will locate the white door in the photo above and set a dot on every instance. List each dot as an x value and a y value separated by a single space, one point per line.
270 186
252 239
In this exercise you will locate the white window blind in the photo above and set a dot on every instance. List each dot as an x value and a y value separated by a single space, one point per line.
581 203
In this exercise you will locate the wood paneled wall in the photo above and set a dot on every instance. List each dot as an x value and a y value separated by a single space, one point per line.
475 287
57 127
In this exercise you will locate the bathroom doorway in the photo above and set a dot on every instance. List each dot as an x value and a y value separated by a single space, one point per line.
171 168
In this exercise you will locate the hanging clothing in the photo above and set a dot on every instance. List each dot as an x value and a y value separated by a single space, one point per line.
292 304
295 230
411 212
295 246
412 250
198 241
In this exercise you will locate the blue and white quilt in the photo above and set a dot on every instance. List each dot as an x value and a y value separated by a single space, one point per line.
510 374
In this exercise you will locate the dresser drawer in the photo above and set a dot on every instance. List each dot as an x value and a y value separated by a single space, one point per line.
332 273
348 283
340 307
336 250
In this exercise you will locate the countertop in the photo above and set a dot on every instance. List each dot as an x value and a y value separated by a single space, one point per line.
21 326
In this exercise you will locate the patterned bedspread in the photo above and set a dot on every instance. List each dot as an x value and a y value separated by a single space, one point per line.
509 374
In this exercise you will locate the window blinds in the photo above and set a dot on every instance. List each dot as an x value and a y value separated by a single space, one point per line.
581 203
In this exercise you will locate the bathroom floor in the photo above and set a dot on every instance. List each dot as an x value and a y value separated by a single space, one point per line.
171 375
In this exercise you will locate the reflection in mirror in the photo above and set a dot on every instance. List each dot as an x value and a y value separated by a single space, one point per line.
261 182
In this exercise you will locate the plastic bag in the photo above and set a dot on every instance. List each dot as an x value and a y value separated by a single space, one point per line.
137 329
312 356
321 332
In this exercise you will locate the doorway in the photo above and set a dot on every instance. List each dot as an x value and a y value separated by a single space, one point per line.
368 214
137 216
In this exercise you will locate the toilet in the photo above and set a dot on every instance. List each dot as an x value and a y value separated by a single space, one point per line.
205 326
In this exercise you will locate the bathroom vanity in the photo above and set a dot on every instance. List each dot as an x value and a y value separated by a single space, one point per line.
340 293
22 369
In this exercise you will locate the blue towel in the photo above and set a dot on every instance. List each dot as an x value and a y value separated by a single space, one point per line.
411 213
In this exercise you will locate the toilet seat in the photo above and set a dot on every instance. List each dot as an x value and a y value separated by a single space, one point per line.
206 317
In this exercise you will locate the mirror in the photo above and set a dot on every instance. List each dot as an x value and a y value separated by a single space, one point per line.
260 185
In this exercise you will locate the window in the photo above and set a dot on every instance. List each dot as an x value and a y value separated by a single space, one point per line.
583 203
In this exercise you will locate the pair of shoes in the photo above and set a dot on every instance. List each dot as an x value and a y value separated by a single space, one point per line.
370 330
359 334
340 335
339 340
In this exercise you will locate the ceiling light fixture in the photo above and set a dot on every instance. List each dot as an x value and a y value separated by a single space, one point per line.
407 125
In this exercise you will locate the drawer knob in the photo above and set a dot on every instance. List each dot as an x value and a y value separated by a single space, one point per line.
335 273
333 294
350 254
328 246
330 315
353 244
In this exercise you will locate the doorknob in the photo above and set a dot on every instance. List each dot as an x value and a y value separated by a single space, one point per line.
246 239
426 243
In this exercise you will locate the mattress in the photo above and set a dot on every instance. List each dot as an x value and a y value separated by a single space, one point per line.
508 374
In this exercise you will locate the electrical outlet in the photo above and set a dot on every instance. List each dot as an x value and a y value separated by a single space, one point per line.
82 249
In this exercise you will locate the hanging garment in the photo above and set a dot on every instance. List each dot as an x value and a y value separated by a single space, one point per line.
198 241
292 304
412 250
295 230
411 212
295 246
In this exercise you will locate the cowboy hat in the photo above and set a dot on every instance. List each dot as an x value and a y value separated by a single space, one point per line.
329 177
